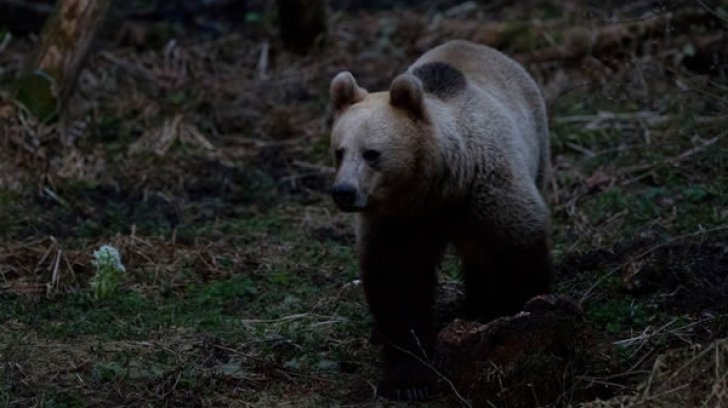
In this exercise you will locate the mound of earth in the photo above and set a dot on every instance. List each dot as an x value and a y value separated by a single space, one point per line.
526 360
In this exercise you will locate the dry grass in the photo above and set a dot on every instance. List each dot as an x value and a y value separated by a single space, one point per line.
693 376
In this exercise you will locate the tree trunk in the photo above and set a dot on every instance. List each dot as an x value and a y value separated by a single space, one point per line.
303 23
63 44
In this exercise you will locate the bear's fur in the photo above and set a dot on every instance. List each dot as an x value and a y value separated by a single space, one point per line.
456 152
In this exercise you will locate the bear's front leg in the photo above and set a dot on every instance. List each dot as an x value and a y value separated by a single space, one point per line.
398 262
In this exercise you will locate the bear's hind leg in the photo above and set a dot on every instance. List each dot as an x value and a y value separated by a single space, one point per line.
500 277
398 262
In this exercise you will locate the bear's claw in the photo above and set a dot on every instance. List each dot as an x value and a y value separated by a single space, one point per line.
408 380
409 394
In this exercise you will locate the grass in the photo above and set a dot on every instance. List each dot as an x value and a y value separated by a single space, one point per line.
276 310
240 285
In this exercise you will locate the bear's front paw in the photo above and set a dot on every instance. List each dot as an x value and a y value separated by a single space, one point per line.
408 381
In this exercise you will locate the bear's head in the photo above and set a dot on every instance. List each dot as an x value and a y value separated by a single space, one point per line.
376 142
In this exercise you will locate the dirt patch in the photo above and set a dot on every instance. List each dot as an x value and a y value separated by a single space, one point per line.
589 261
528 359
693 277
337 232
679 277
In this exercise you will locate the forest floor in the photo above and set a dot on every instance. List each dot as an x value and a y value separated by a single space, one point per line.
205 161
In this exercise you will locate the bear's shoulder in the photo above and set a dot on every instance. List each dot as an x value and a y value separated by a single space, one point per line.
440 79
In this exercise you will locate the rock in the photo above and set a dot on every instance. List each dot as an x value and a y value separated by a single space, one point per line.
525 360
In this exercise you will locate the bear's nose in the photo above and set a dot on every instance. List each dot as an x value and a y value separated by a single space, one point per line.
344 195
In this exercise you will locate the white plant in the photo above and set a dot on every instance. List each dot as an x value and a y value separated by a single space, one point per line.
109 271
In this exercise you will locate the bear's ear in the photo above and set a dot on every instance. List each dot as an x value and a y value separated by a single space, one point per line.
344 91
406 93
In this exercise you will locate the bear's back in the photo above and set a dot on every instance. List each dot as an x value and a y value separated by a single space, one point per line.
459 61
456 70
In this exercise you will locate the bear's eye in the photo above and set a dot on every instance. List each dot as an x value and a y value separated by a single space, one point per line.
371 155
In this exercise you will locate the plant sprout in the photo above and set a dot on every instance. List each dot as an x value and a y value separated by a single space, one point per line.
109 271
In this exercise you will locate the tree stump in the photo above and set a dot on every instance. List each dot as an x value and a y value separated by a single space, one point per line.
59 55
525 360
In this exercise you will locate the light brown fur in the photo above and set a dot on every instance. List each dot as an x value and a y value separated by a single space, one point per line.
461 165
487 145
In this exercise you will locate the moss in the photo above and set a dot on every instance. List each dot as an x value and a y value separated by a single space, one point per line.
37 92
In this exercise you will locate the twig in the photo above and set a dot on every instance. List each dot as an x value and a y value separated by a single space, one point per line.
692 360
297 373
672 160
282 319
55 197
644 336
293 178
668 392
580 149
6 40
647 117
719 378
437 373
653 373
311 166
595 380
262 66
651 118
712 12
45 255
136 71
240 353
56 274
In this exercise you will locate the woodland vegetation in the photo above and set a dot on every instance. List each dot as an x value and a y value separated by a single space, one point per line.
191 140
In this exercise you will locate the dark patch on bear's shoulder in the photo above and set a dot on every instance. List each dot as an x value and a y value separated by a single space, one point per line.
440 79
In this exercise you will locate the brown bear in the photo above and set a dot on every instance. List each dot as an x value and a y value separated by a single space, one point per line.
456 152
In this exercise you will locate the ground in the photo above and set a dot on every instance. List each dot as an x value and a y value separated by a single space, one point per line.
204 159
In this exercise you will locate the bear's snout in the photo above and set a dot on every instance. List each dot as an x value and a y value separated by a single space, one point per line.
345 197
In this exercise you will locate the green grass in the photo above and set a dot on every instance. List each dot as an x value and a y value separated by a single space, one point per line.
276 311
681 207
214 306
619 315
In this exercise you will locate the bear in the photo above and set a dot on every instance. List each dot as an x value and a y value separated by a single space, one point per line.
455 153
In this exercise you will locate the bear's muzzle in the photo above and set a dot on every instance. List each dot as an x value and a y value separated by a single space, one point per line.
347 198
